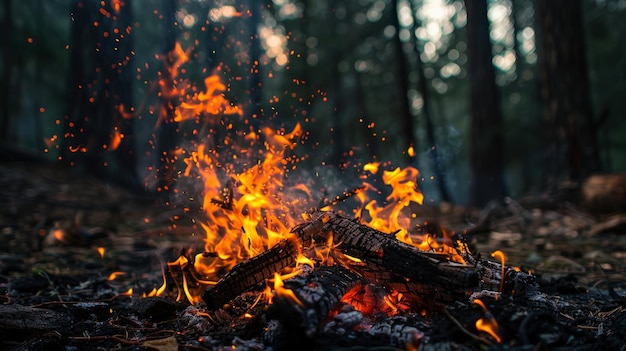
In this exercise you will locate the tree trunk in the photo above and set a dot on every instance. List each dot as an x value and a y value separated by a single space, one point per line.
7 69
422 87
571 147
167 132
100 90
254 79
88 121
486 120
121 85
402 70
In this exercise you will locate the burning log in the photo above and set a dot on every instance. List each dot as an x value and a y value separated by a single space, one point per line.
251 273
254 272
314 297
384 252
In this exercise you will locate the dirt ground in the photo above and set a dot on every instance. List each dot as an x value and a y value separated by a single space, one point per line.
54 221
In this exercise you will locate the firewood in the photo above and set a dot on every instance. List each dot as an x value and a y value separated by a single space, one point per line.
515 282
251 273
316 295
387 253
255 271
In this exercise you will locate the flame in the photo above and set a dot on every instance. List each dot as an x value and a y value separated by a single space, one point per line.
411 151
488 324
116 139
371 167
59 234
500 255
114 275
101 251
279 288
248 205
211 102
117 5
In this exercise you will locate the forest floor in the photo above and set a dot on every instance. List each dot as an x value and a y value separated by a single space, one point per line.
53 221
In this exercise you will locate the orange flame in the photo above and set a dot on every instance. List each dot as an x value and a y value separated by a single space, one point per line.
488 324
279 288
500 255
247 204
101 251
117 5
114 275
116 139
210 102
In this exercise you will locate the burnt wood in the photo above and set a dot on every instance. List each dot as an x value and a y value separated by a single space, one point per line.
385 252
317 294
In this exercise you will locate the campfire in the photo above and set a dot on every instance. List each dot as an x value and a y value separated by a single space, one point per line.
284 265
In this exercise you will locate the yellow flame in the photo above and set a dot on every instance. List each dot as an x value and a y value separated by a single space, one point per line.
371 167
279 288
247 205
411 151
488 324
500 255
101 251
114 275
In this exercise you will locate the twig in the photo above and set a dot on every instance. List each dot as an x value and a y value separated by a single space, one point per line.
344 196
464 330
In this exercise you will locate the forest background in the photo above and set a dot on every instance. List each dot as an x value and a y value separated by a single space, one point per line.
485 98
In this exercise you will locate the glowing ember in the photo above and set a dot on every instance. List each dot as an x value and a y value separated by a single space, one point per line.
101 251
116 139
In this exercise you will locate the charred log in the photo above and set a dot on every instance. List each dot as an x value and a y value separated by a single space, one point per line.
316 295
386 253
251 273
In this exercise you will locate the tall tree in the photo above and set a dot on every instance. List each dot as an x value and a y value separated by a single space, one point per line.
402 69
254 79
7 69
571 146
100 91
167 132
486 121
422 87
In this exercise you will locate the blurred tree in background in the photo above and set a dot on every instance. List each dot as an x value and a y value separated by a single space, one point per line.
368 80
